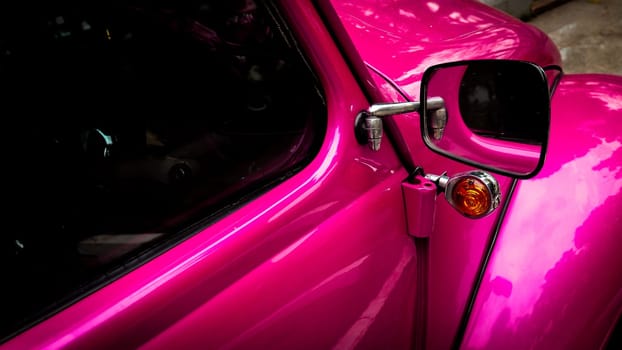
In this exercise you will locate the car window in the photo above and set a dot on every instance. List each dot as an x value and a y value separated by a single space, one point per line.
131 125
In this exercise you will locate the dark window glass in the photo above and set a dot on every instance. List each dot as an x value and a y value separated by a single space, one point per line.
128 125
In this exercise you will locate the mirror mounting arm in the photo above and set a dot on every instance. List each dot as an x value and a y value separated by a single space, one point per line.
368 125
388 109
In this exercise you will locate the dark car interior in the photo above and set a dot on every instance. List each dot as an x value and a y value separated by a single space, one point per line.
130 125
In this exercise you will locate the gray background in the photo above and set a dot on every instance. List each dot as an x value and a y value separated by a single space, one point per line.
588 33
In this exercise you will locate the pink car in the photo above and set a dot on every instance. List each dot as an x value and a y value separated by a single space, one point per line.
304 175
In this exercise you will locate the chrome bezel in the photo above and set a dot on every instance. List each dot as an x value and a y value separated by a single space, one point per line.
488 180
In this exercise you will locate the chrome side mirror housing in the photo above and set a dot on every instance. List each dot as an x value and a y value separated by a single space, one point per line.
496 114
491 114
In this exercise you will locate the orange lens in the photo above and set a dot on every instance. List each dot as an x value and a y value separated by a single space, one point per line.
471 197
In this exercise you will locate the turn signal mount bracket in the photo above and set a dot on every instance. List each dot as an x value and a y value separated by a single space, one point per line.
474 194
420 205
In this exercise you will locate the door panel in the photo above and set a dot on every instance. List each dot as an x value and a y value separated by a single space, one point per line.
348 281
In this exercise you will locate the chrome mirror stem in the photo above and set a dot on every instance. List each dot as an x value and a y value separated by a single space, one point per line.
373 117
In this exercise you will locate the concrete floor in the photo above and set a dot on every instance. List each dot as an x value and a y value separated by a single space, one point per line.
588 34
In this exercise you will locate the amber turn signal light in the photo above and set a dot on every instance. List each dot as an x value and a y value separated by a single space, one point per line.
474 194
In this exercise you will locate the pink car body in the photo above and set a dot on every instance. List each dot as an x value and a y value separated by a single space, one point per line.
323 260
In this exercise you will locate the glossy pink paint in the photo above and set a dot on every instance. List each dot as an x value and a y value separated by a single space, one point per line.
402 38
553 280
415 35
305 297
324 255
456 247
323 260
420 206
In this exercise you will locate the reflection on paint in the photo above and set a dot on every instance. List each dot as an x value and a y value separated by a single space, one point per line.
355 334
432 6
286 308
317 179
292 247
612 102
533 257
407 14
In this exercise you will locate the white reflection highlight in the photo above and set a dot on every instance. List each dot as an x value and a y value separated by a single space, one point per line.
613 102
292 247
525 265
433 6
355 334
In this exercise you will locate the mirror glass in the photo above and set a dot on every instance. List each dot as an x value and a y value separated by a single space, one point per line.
495 114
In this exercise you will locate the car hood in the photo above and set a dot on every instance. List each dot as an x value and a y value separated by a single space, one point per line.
401 38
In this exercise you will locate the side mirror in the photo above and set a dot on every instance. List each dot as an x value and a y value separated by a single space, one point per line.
495 114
